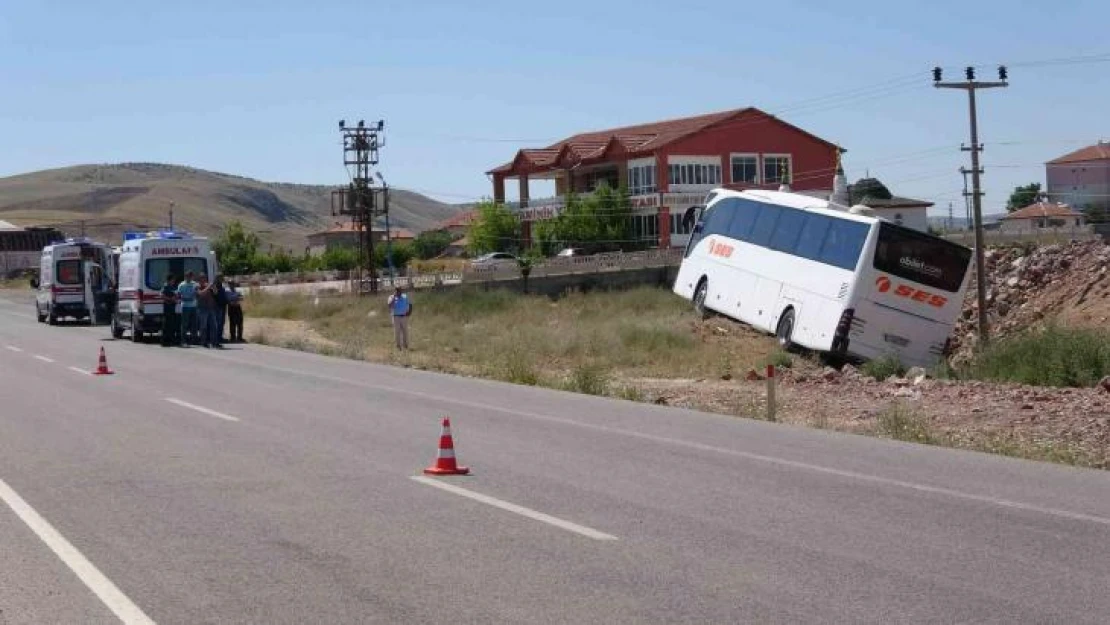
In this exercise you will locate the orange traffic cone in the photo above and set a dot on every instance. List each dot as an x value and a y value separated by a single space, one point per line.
445 461
102 367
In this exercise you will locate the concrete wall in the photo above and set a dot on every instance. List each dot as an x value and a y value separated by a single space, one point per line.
554 286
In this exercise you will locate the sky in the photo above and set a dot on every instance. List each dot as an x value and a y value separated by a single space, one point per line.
257 88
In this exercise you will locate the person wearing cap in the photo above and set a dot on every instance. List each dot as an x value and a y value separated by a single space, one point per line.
400 308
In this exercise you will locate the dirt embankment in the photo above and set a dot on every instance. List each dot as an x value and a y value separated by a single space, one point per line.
1029 287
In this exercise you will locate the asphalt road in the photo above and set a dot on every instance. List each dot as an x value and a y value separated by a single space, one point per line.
256 485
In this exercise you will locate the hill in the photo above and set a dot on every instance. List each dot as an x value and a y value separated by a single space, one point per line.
110 199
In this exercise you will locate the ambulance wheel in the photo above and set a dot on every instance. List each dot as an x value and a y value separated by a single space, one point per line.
38 315
117 331
51 318
785 330
136 333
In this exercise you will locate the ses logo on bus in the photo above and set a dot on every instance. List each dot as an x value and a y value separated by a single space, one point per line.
883 284
720 249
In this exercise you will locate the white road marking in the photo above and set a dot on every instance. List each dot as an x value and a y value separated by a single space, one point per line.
201 409
80 370
101 586
12 348
864 477
512 507
43 358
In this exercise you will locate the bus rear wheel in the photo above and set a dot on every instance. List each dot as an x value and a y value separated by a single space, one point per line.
700 295
785 330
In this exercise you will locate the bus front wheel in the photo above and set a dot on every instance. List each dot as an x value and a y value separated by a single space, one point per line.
700 295
785 330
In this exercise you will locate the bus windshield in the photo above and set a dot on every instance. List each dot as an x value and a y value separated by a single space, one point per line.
921 258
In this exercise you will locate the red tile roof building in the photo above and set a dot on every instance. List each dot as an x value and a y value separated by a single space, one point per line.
1042 215
345 235
669 165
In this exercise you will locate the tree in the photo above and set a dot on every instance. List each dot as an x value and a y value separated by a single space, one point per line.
399 253
431 243
494 229
600 221
236 249
526 262
1023 196
340 258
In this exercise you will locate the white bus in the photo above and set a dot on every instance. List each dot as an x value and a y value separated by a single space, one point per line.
823 277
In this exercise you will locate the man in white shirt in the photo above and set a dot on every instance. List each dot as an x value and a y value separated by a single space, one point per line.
400 308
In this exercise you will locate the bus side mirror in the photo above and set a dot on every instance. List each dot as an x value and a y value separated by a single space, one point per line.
34 283
690 217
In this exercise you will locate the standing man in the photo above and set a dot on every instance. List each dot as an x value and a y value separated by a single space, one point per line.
235 312
171 324
206 312
187 294
400 308
221 307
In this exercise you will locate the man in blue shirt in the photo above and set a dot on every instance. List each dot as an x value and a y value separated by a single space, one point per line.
187 294
400 308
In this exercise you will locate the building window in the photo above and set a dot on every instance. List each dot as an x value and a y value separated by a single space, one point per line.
641 179
745 169
645 228
676 224
776 168
704 174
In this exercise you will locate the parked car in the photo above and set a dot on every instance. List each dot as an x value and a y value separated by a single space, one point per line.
571 251
493 259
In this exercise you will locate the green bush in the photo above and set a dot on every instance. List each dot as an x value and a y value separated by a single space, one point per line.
1053 356
883 368
780 359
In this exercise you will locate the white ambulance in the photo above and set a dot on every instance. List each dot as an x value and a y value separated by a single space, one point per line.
145 259
74 279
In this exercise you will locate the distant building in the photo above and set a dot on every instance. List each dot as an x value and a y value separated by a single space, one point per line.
458 223
345 235
668 166
904 211
1081 179
1043 215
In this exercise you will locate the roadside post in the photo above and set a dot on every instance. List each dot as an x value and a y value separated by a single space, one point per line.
770 392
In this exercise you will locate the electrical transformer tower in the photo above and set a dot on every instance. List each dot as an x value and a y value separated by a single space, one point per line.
361 200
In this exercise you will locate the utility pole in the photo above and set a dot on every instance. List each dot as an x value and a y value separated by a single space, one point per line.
967 199
359 199
950 216
171 215
971 85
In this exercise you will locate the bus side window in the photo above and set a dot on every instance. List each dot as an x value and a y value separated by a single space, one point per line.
765 225
788 230
843 244
813 235
747 213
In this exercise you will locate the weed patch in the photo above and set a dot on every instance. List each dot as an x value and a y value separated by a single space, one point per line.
1053 356
901 422
883 368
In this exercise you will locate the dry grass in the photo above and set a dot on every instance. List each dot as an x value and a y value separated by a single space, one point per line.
584 342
